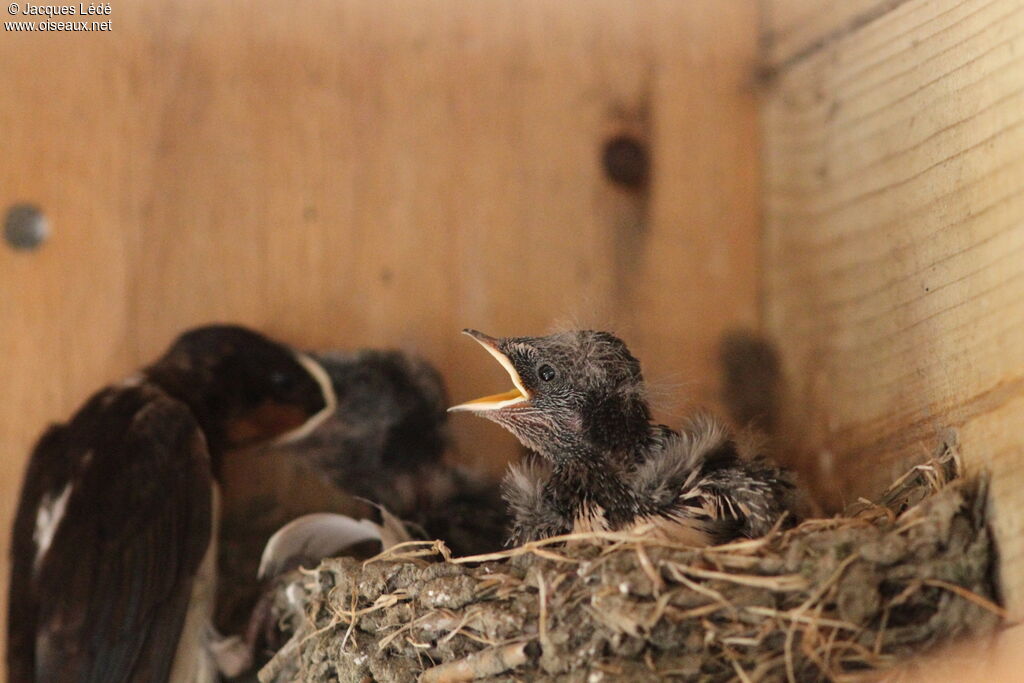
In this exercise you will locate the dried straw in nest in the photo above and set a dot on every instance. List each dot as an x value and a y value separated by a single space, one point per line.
832 599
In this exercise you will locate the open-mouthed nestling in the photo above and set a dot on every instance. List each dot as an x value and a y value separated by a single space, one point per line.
114 543
389 426
578 401
386 443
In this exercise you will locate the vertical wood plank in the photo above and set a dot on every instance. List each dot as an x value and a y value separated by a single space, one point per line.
894 165
793 28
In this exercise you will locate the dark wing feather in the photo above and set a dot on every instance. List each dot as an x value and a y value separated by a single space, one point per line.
701 474
48 470
110 596
676 466
750 498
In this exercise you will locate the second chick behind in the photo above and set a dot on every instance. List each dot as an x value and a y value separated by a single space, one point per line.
386 443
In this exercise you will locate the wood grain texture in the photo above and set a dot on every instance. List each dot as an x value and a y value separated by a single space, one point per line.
792 29
375 173
894 256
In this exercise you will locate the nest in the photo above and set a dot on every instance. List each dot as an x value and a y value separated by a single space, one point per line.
832 599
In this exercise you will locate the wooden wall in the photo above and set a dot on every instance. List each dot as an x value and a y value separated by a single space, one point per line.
367 172
894 250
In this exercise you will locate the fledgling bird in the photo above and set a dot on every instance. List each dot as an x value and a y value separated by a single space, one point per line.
578 402
389 430
114 539
386 443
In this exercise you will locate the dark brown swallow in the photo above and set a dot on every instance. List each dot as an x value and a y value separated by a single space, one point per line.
578 401
115 533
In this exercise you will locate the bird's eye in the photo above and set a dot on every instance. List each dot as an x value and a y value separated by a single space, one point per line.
546 372
280 379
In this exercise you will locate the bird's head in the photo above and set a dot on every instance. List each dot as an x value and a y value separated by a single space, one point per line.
573 393
243 387
390 428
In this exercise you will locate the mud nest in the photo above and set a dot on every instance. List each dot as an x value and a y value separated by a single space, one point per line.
832 599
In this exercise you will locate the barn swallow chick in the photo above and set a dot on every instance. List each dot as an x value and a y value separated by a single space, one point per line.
114 539
386 443
390 428
578 402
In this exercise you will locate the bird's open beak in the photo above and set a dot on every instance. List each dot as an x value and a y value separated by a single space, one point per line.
518 394
330 402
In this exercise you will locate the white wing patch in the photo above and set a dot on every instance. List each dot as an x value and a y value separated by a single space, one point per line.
48 517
